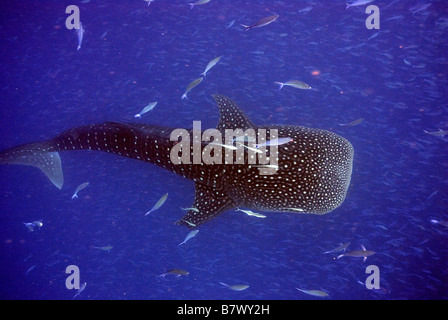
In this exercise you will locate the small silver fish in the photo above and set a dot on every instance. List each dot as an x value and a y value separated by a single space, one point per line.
251 213
148 108
268 166
79 188
176 272
223 145
235 287
192 84
158 204
190 235
316 293
30 269
275 142
439 133
250 148
357 3
358 253
245 138
210 65
80 33
341 247
190 223
262 22
38 223
105 248
294 83
193 209
230 25
199 2
441 222
34 224
81 289
353 123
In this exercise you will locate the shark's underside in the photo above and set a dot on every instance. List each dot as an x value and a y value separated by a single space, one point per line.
312 174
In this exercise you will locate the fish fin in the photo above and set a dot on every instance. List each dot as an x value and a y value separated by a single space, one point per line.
38 155
281 84
230 115
210 202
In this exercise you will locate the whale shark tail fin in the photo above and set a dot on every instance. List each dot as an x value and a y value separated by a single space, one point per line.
40 155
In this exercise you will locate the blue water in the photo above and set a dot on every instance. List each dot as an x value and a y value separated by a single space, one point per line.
395 78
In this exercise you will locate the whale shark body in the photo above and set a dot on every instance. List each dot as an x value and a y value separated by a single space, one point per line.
312 176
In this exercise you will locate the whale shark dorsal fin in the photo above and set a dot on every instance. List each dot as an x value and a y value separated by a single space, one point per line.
209 202
37 155
230 115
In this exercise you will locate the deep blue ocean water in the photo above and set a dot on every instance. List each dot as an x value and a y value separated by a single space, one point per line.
395 78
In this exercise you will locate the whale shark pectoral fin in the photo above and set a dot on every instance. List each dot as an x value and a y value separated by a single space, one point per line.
209 202
36 155
230 115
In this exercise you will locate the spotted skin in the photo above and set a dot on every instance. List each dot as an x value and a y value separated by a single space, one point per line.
313 172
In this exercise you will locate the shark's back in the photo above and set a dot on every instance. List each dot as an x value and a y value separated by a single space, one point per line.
312 176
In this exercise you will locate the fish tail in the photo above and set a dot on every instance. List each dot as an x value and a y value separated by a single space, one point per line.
74 196
42 155
247 27
281 84
191 5
348 6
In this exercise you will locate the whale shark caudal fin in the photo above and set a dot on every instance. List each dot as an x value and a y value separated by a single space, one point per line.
40 155
209 203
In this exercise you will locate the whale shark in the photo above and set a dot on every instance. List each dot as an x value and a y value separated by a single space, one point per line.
312 173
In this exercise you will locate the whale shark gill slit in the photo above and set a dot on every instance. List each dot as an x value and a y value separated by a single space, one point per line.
314 170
